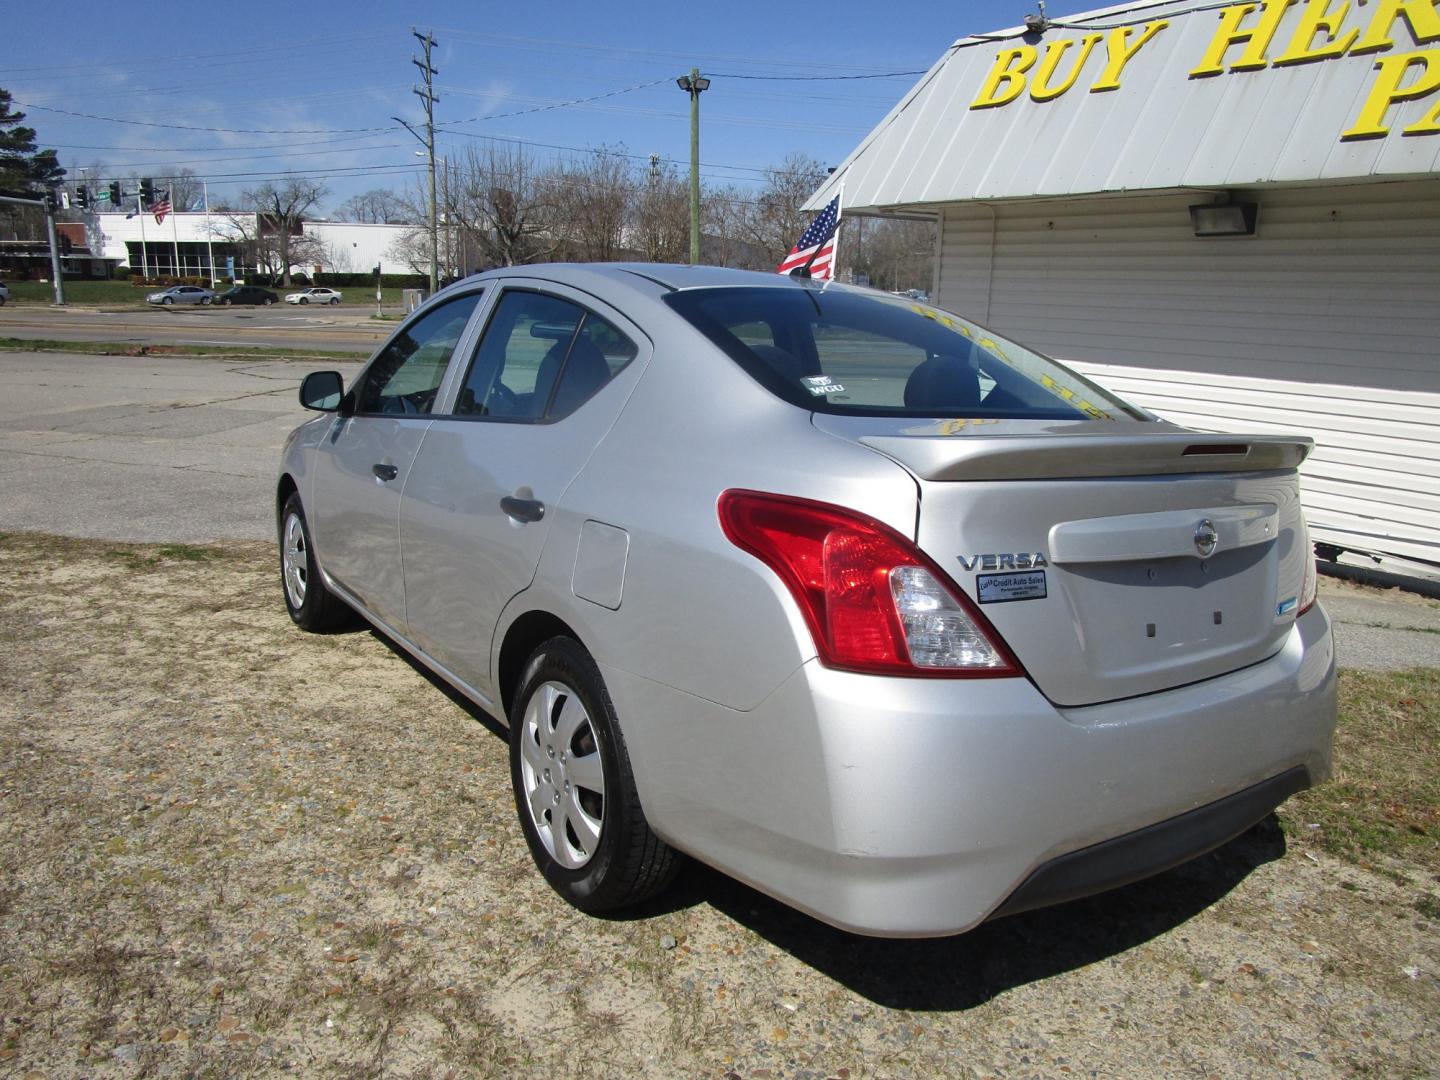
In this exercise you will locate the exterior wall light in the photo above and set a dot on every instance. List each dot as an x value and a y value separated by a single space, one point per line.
1224 219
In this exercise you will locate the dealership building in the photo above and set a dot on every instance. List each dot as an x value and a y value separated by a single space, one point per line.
1228 213
190 244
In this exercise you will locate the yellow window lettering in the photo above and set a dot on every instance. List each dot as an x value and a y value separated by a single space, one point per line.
1256 39
1318 18
1041 87
1388 90
1118 54
1421 16
987 343
1007 77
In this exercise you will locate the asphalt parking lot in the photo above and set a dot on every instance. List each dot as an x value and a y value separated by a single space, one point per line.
152 448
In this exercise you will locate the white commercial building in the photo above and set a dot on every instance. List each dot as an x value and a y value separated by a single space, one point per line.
1228 213
184 244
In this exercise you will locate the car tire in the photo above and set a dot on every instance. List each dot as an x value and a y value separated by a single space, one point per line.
167 301
268 301
204 301
311 605
605 855
224 302
334 300
304 300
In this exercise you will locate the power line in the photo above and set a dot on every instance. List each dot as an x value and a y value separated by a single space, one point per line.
193 127
814 78
563 104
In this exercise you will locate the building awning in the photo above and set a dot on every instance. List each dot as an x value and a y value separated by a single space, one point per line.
1164 95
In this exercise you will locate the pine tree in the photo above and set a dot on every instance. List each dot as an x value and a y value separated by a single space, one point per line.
23 171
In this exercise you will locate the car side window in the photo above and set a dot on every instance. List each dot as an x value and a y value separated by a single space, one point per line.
405 376
541 357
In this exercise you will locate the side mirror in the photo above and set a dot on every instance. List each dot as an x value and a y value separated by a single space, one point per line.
322 391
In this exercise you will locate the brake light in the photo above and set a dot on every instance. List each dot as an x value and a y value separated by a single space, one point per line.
872 600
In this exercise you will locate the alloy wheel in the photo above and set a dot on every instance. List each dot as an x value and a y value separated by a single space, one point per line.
296 561
564 781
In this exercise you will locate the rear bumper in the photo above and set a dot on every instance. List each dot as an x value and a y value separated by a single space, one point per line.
1153 849
921 807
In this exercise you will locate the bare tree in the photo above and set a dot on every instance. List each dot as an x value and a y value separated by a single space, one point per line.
280 209
777 221
726 221
186 190
894 254
378 206
411 249
592 197
504 204
660 219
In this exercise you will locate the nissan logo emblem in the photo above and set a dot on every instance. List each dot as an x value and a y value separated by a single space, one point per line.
1206 538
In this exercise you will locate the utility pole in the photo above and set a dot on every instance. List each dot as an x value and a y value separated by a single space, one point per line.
427 95
693 84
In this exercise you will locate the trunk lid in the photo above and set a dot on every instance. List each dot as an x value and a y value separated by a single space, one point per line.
1115 559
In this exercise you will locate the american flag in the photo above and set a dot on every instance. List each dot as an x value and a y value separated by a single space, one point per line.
160 209
816 246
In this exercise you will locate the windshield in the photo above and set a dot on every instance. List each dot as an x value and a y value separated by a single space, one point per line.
869 354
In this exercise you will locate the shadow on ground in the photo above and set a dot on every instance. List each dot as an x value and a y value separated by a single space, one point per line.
961 972
958 973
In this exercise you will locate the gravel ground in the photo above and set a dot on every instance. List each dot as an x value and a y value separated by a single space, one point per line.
231 849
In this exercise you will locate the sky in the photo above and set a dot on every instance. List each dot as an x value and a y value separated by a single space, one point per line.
241 93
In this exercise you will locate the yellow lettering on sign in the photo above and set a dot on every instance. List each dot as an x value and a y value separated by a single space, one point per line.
1256 39
1007 77
1318 18
1387 91
1422 16
1117 54
1041 88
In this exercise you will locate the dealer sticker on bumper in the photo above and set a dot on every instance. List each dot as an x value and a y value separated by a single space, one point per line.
1003 588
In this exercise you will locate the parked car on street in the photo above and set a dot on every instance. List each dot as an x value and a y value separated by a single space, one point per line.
846 595
314 295
247 294
4 293
181 294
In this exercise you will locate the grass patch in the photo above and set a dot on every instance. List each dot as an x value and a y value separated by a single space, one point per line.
1384 800
110 348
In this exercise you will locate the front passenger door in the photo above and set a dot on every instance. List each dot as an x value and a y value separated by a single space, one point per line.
362 465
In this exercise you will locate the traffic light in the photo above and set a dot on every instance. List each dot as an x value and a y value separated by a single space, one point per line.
82 198
116 195
147 191
376 271
49 200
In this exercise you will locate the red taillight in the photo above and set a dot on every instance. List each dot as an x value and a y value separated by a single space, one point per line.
1310 583
873 601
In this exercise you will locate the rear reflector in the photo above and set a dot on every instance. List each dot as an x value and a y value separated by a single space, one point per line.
872 600
1217 449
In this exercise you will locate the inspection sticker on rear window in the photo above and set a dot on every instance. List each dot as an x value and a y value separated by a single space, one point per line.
820 385
1003 588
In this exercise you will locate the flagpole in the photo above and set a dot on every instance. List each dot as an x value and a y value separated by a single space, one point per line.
209 240
174 230
839 221
144 250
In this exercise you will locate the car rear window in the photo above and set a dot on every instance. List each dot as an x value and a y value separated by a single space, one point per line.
868 354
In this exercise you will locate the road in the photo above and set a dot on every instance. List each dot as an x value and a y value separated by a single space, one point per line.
338 329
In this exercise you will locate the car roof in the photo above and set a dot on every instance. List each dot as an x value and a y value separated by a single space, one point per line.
667 276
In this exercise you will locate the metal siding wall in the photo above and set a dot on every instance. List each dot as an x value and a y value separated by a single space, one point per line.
1324 323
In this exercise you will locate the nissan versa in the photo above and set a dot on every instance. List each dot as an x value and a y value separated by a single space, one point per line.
892 618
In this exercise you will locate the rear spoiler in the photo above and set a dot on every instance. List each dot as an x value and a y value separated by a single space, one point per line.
1053 456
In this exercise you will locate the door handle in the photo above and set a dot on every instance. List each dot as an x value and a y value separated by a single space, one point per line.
523 510
385 472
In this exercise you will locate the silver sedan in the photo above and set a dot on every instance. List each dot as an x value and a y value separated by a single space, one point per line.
895 619
181 294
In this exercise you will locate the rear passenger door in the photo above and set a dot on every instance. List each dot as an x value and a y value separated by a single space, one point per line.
551 373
